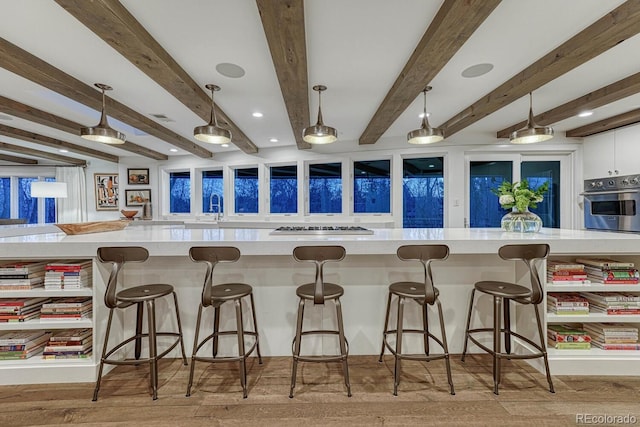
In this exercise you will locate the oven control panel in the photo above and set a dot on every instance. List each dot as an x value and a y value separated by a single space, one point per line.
612 183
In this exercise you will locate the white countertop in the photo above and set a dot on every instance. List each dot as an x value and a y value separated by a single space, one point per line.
175 240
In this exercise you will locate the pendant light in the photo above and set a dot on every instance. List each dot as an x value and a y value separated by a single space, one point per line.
320 133
102 132
532 133
211 132
426 134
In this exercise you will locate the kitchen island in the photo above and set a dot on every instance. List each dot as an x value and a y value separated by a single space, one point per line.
365 273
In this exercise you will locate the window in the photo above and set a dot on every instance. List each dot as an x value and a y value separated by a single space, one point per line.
484 209
423 192
283 183
325 188
372 186
179 192
538 172
212 192
5 197
245 185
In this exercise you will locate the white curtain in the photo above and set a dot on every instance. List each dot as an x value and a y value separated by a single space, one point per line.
74 207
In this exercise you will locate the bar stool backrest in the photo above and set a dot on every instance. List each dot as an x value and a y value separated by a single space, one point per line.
118 256
530 254
319 255
211 256
425 254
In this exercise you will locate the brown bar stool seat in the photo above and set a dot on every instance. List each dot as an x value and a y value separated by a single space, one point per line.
139 296
503 293
425 294
216 296
319 292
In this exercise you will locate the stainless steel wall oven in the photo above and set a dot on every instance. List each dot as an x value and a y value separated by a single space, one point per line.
612 203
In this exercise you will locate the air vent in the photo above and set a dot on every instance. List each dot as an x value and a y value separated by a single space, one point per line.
161 117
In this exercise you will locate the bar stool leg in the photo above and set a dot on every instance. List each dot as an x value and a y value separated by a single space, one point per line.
195 349
255 327
343 347
466 330
425 322
507 326
184 356
153 351
497 309
543 349
396 371
216 329
296 346
139 320
104 352
241 354
445 348
384 329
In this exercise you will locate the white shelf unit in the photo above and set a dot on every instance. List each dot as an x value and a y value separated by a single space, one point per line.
594 361
35 369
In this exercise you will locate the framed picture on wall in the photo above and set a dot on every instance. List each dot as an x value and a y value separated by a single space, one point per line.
138 176
137 197
106 189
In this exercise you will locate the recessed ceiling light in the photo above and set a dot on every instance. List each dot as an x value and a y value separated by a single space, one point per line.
173 150
230 70
257 114
477 70
585 114
273 140
224 145
62 150
421 115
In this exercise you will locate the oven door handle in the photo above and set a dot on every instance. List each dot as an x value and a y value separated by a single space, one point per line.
597 193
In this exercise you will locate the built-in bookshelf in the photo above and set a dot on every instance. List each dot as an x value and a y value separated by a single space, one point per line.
36 368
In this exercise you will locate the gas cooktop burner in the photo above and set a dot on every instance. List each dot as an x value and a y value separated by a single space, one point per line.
322 229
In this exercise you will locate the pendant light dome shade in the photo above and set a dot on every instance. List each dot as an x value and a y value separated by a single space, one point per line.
532 133
102 132
426 134
211 132
319 133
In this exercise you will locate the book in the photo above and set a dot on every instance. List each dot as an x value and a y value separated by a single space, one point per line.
566 333
69 302
604 263
619 346
78 334
21 302
20 337
567 299
569 345
23 267
561 266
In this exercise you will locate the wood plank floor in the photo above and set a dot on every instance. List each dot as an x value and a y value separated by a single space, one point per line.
320 397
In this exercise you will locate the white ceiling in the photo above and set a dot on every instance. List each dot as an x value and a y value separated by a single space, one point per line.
356 48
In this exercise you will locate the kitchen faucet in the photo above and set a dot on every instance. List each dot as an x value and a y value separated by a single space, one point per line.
218 214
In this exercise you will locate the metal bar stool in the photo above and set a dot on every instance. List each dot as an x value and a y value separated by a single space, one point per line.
139 296
216 296
425 294
319 292
503 293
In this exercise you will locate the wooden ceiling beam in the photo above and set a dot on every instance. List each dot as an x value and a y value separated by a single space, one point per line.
32 114
607 32
283 24
603 96
452 26
16 159
113 23
54 143
624 119
30 67
41 154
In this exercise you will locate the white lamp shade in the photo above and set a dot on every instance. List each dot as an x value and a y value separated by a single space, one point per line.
48 189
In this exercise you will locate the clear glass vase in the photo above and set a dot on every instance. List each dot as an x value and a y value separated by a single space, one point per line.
521 222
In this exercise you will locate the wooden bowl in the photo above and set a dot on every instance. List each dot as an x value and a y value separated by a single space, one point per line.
128 214
93 227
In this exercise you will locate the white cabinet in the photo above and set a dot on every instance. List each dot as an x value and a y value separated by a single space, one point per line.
36 369
612 153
